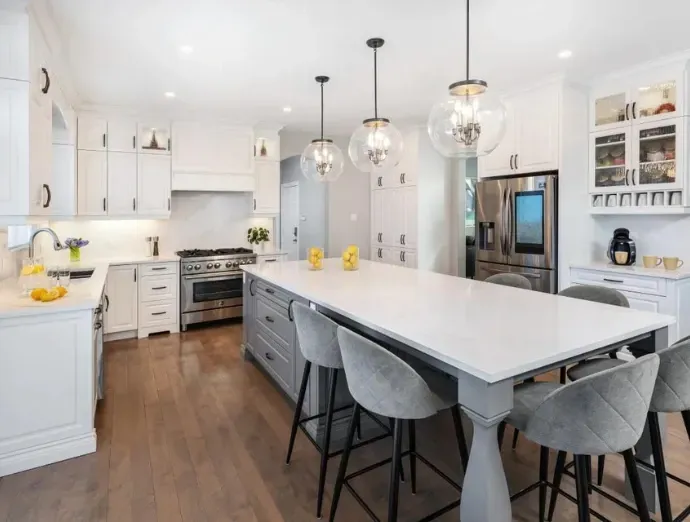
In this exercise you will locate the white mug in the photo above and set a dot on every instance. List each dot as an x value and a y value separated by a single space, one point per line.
658 199
625 200
597 201
611 201
675 198
642 200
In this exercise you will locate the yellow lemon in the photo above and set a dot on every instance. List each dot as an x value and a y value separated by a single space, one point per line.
352 249
62 291
50 295
348 265
28 270
319 254
39 269
346 256
37 293
318 264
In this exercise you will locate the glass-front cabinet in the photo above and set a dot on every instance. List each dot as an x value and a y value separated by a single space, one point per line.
610 160
610 109
658 154
656 100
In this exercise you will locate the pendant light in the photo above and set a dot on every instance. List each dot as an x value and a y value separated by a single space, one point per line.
376 144
322 160
469 123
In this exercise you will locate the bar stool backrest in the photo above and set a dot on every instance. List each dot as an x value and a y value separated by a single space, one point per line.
514 280
599 414
672 388
383 383
317 336
598 294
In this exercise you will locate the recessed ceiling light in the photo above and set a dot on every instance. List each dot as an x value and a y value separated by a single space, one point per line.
169 94
186 49
287 109
565 53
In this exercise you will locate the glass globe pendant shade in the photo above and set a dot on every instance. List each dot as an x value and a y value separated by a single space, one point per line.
322 160
376 145
469 123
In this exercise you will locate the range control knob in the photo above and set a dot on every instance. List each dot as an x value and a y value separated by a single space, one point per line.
242 262
190 267
228 265
210 265
197 267
235 264
217 265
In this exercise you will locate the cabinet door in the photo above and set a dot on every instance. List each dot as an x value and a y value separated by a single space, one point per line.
267 191
40 157
377 216
393 219
154 139
657 95
92 183
609 107
63 186
122 136
410 259
500 161
409 204
536 131
121 305
154 185
14 48
14 147
645 303
92 134
610 160
122 184
658 160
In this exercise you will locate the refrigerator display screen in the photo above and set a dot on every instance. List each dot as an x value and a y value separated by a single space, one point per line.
529 222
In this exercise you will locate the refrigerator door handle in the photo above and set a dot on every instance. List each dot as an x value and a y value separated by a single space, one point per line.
501 220
509 233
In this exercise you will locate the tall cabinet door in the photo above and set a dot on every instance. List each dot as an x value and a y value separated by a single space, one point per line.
267 190
537 130
92 183
393 220
154 185
92 134
377 216
122 301
122 184
14 146
409 205
500 161
122 136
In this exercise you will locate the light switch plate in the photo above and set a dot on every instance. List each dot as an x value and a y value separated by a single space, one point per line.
353 217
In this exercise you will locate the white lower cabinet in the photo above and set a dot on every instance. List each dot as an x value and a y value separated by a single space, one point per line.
278 257
394 256
121 299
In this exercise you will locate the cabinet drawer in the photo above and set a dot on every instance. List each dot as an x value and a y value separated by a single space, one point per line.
157 314
158 269
278 258
158 288
274 360
274 294
275 319
630 282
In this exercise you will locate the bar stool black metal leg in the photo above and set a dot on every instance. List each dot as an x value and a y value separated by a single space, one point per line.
413 456
557 477
501 433
636 486
339 481
516 436
660 467
589 474
298 410
333 378
543 478
391 423
460 436
359 426
686 420
563 376
394 484
582 484
601 462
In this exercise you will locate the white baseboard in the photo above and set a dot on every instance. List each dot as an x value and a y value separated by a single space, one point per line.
131 334
45 454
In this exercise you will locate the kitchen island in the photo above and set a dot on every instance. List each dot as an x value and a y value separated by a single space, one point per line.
488 336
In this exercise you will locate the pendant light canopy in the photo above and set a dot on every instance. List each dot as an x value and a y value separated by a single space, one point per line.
377 144
469 123
322 160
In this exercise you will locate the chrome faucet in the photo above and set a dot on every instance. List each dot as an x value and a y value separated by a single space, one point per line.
57 245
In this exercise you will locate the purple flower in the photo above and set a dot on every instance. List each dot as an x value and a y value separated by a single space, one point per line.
74 242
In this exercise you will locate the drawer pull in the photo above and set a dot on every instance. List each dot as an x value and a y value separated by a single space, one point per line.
613 280
270 260
269 319
290 316
270 291
159 313
159 288
159 268
269 356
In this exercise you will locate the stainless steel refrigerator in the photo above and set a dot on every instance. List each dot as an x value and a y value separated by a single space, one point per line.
516 229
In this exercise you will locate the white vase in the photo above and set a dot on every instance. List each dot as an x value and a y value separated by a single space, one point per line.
261 247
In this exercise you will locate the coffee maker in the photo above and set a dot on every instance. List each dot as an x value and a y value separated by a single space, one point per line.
622 249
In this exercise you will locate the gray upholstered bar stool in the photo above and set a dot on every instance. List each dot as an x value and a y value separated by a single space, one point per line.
514 280
318 342
600 414
386 385
671 395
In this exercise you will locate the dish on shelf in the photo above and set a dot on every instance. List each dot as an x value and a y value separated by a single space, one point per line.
665 107
618 152
655 156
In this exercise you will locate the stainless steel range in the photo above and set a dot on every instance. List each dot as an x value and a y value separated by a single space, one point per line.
211 284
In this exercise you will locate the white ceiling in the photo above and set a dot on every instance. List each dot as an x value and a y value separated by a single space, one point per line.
253 57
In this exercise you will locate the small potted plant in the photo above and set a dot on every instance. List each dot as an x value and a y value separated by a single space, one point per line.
75 245
258 236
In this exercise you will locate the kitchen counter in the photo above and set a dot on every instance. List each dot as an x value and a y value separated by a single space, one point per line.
269 251
639 270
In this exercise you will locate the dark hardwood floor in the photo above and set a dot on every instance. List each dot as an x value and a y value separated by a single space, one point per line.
191 432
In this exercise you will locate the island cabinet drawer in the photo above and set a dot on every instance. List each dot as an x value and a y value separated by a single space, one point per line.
629 282
278 364
273 293
158 288
276 320
154 269
157 314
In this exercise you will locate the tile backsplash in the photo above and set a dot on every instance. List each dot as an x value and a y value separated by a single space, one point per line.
9 261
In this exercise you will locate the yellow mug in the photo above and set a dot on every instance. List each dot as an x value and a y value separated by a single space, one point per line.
621 257
672 263
651 261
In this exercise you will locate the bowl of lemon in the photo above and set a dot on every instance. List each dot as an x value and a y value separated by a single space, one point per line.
351 258
45 295
315 258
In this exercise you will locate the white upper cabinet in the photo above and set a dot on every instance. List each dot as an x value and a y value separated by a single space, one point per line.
92 134
211 148
14 147
122 184
153 188
14 46
63 187
409 204
267 191
121 136
92 183
500 161
154 139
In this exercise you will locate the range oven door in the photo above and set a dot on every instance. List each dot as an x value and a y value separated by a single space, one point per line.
208 292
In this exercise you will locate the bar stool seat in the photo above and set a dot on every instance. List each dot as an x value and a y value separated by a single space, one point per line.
527 397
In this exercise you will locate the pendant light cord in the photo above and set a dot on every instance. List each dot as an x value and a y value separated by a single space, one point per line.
321 111
467 47
376 88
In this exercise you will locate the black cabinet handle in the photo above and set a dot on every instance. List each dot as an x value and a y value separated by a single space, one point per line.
268 356
103 204
633 177
269 319
516 161
254 203
104 140
380 253
633 110
107 302
270 291
400 256
159 288
401 239
401 181
613 280
290 316
135 275
627 113
49 197
134 142
157 268
379 182
404 180
270 260
511 161
627 173
169 143
403 256
404 239
168 203
46 87
251 291
134 204
159 313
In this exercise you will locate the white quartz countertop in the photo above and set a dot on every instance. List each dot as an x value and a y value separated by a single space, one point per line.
637 270
490 331
62 258
269 252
